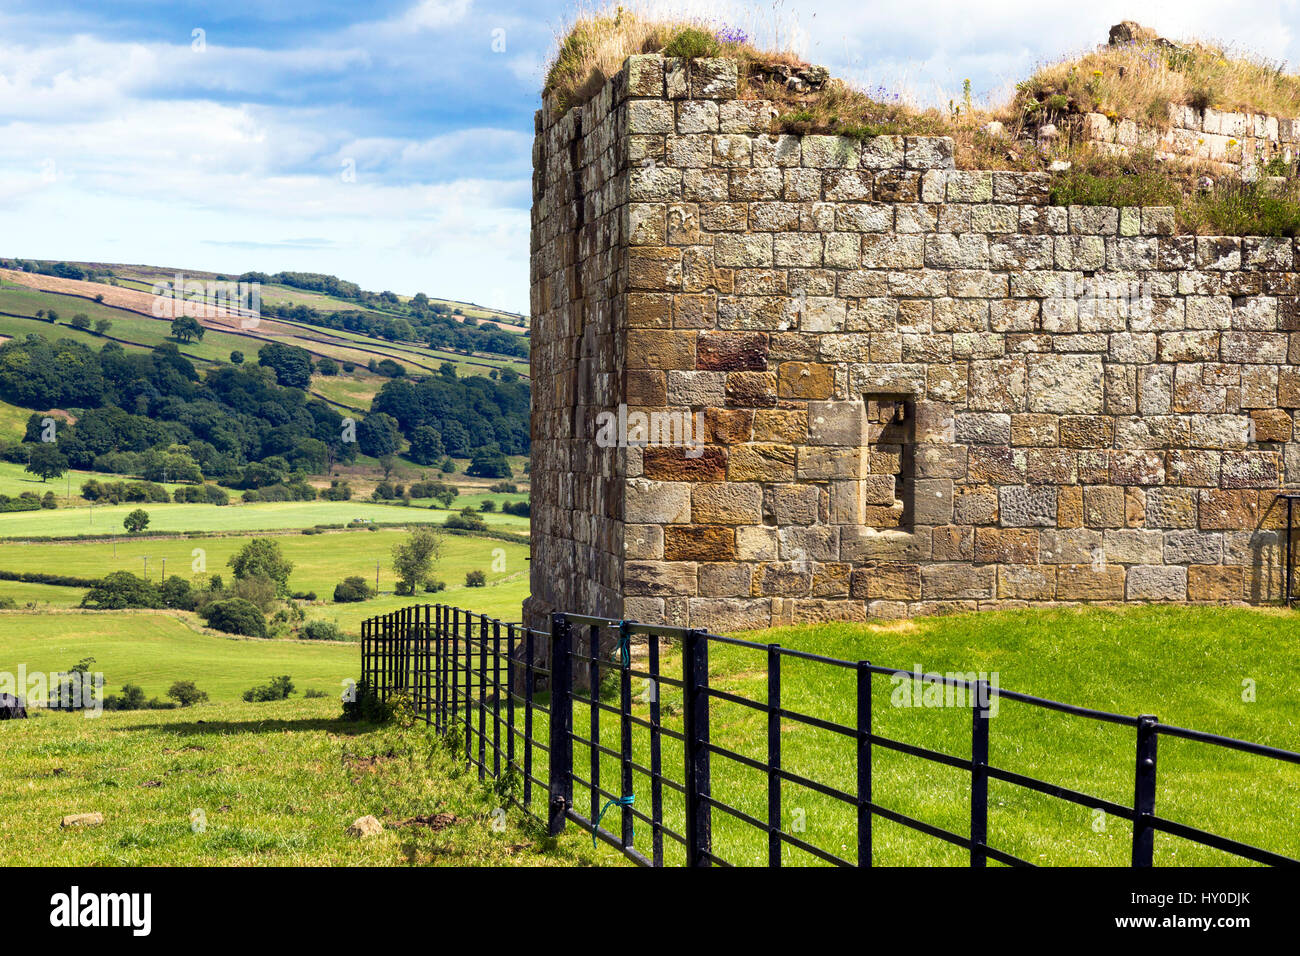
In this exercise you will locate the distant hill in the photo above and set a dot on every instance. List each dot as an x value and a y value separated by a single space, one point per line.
447 380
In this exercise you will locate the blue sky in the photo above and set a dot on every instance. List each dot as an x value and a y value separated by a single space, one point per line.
389 142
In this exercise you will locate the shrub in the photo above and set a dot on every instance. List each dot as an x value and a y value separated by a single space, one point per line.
131 698
122 589
475 579
279 688
433 587
337 491
466 520
236 616
177 593
520 508
313 693
351 590
322 631
692 43
304 595
186 694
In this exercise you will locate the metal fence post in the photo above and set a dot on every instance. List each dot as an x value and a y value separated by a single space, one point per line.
699 813
774 755
864 763
561 776
979 775
1144 791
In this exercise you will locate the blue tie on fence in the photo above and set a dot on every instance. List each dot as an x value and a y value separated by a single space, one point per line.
622 802
625 661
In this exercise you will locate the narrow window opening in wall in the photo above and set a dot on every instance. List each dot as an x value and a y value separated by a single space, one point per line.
889 485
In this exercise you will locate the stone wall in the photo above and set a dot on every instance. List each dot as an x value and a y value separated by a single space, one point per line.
920 389
579 316
1241 143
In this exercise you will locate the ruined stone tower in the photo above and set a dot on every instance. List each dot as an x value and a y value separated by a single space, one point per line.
920 389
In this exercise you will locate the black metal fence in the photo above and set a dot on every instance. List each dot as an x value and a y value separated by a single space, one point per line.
507 695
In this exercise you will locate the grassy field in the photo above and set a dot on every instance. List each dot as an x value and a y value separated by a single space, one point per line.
153 649
266 516
320 562
15 479
271 784
1187 666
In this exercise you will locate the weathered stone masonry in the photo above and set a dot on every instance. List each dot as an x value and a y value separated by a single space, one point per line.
909 407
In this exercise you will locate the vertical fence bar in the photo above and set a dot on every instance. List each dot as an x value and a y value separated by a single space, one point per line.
699 814
864 763
464 627
593 691
399 651
482 697
1144 791
496 698
979 776
656 761
774 755
383 658
561 778
530 681
440 681
365 653
625 735
510 697
429 658
455 666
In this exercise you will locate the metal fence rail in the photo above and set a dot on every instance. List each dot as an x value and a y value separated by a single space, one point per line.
481 681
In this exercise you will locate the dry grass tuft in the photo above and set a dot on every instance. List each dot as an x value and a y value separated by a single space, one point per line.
601 38
1139 81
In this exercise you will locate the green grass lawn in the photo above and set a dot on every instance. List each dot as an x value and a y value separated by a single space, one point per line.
1187 666
265 516
235 784
153 649
320 562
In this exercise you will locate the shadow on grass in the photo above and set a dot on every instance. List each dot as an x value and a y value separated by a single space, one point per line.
349 728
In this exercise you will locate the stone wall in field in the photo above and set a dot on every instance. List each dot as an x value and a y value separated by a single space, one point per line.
911 389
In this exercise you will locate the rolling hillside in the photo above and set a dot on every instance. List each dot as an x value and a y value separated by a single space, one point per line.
27 299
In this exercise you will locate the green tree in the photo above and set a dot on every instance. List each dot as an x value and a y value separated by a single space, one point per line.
378 435
263 558
122 589
426 445
237 357
292 365
103 325
136 521
186 328
46 461
414 558
489 464
186 694
80 321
